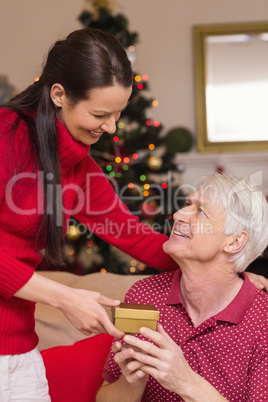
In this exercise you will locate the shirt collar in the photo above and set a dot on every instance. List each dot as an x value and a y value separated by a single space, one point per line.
234 312
174 296
70 151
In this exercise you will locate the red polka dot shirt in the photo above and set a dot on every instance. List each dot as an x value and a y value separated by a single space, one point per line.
229 350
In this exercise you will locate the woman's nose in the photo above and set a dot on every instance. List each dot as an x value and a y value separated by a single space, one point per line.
109 125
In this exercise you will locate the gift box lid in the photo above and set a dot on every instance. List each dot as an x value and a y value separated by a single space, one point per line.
136 311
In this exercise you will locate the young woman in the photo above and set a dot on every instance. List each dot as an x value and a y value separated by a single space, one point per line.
46 176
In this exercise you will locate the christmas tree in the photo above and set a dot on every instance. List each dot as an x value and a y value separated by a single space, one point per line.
138 157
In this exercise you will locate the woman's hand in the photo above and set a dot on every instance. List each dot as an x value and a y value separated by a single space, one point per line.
259 281
84 310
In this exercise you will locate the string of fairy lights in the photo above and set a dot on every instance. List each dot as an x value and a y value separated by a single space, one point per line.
154 162
134 266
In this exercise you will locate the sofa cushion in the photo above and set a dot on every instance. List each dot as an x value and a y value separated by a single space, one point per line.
74 372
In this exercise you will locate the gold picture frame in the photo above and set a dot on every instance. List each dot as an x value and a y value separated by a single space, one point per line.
205 39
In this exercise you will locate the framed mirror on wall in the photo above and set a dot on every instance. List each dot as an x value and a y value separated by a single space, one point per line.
231 81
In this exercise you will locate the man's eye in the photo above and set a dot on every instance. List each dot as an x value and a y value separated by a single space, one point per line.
98 116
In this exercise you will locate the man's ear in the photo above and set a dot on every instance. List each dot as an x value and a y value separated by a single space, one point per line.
236 243
57 93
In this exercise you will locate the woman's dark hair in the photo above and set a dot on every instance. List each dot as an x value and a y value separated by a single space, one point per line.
86 59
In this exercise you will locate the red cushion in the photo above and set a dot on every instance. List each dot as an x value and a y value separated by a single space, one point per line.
74 372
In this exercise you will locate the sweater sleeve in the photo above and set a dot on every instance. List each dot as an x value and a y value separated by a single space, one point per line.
5 174
13 272
105 215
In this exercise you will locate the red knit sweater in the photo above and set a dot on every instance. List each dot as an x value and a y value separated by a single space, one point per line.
87 195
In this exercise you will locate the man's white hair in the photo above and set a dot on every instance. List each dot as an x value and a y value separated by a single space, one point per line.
246 209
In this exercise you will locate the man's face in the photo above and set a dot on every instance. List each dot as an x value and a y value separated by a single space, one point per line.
197 233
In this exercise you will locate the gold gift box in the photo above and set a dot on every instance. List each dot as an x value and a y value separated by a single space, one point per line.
129 317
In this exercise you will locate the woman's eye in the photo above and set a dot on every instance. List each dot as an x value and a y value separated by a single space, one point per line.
98 116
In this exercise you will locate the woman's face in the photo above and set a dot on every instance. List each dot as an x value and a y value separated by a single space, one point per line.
88 119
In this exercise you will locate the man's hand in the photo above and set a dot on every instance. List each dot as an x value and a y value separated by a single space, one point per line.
163 360
131 384
131 369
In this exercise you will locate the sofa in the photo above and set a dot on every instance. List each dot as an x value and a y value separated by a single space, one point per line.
73 361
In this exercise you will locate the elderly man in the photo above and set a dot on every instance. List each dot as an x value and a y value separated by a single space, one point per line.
211 342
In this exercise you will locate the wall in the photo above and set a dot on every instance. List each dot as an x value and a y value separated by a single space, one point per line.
165 52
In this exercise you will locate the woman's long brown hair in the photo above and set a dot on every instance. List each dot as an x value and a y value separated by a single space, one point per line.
86 59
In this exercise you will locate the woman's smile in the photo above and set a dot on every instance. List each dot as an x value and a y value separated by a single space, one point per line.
95 134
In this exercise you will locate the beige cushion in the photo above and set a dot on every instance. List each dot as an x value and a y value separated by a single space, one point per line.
52 326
